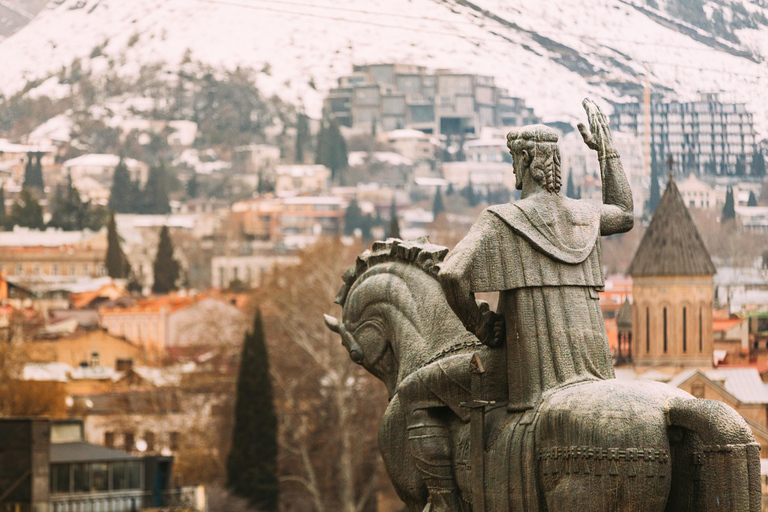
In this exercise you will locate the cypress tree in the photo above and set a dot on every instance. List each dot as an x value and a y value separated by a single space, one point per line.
729 210
469 194
33 172
655 193
156 190
394 224
752 199
321 148
438 206
116 262
578 192
353 218
3 211
570 191
121 195
69 212
252 461
450 191
193 187
338 146
302 136
26 211
757 167
166 268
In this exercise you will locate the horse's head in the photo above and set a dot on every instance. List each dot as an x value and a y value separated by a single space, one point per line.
395 316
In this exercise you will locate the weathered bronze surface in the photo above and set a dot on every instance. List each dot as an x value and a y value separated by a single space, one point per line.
518 409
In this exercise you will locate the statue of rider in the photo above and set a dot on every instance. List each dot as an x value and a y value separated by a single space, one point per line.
542 254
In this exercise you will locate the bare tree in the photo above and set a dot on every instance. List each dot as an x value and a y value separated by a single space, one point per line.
328 407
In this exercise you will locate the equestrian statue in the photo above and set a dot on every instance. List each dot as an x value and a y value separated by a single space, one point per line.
518 409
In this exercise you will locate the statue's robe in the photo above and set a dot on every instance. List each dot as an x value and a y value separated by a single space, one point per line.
543 255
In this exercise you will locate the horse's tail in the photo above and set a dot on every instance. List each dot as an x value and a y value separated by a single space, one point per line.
716 461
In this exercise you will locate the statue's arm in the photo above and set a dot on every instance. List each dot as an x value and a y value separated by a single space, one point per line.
617 212
476 316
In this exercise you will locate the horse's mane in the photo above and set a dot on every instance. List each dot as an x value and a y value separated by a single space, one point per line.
418 252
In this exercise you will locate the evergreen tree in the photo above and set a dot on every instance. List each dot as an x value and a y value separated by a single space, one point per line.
655 193
68 212
252 461
438 206
741 167
394 225
156 190
3 211
302 136
757 167
365 227
449 191
116 262
166 268
469 194
578 192
752 199
26 211
570 191
33 172
729 211
121 195
193 187
332 148
353 218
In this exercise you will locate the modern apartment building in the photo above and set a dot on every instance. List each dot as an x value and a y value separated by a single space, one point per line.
706 137
396 96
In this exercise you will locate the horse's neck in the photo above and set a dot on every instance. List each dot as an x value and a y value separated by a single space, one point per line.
415 352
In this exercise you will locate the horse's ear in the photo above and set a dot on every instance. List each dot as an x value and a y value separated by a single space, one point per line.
332 323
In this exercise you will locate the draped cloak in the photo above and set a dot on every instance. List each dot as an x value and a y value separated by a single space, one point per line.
542 254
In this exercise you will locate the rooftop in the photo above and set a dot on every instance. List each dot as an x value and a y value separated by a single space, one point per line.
85 452
672 245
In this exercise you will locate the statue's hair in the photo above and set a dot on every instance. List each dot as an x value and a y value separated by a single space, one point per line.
418 252
541 143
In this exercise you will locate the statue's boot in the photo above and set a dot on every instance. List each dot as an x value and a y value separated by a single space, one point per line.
431 444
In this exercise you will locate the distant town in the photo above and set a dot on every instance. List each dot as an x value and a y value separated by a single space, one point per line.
138 238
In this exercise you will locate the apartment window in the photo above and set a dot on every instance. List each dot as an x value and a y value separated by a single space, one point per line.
149 438
175 440
102 271
665 330
100 477
86 270
81 477
129 441
54 270
94 359
109 439
60 476
19 270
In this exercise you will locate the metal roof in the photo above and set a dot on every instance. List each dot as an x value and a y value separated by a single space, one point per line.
672 245
85 452
743 383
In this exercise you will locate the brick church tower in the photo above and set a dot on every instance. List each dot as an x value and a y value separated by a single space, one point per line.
672 290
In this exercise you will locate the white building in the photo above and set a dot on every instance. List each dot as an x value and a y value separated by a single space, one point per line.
479 173
487 150
698 194
255 158
301 179
412 144
249 270
101 167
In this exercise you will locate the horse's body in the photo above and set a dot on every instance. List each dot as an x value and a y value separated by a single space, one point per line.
597 445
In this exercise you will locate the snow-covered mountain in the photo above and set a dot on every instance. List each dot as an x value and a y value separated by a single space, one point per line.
550 53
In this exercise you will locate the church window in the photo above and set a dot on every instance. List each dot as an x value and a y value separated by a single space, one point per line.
647 331
685 330
700 325
665 330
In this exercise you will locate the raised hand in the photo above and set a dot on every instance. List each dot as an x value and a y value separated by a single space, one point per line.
598 137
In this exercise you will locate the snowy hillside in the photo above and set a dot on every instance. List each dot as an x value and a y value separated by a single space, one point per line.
550 53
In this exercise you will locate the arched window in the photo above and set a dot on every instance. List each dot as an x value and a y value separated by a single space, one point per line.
700 329
685 329
647 331
665 330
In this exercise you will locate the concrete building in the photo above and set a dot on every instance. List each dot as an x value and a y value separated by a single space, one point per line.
48 467
85 348
396 96
249 270
698 194
704 136
673 290
412 144
300 179
255 158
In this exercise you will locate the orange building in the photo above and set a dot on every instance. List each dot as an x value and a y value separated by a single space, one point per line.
275 218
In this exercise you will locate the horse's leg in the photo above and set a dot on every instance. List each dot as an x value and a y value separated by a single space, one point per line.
393 444
608 493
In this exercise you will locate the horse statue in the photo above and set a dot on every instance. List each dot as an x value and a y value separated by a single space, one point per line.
600 445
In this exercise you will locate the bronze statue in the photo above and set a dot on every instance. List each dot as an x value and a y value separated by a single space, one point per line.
519 410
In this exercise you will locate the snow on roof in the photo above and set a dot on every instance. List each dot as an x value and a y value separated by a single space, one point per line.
743 383
692 183
99 160
315 200
130 221
739 276
751 211
7 146
407 134
357 158
58 128
159 376
58 372
25 237
94 373
298 171
426 181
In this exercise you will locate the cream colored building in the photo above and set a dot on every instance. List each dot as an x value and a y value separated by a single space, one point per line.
413 144
698 194
301 179
101 167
